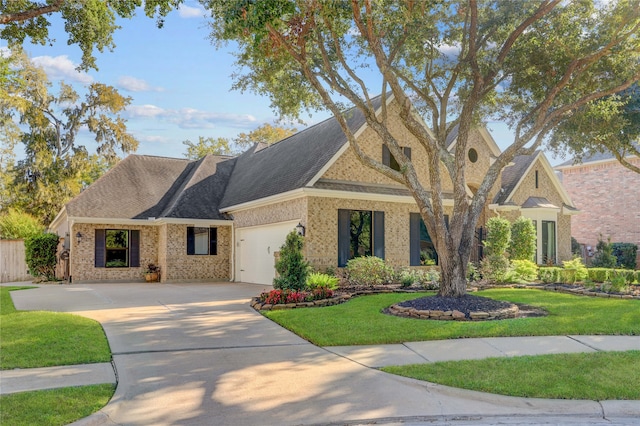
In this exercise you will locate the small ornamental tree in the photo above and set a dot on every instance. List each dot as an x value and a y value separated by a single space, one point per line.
291 266
523 240
40 255
625 254
604 257
495 265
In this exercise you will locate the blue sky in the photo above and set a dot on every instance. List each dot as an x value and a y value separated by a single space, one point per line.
180 83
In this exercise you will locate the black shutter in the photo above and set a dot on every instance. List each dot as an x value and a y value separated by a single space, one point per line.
414 239
407 152
446 221
213 241
378 234
386 156
191 240
344 236
100 249
134 248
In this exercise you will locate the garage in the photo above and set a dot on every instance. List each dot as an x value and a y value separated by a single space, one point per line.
255 248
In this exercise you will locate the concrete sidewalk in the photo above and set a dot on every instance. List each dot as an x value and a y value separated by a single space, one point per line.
373 356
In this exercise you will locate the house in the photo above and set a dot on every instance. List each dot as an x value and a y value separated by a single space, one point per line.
222 218
609 197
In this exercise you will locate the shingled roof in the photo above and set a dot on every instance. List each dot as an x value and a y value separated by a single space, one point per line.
290 163
512 174
594 157
144 186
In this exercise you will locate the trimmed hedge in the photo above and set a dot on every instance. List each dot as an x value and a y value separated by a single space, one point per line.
555 274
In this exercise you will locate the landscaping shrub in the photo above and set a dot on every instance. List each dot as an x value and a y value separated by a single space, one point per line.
40 255
618 283
523 240
473 272
576 248
625 254
604 257
291 266
316 279
282 296
522 270
550 274
369 270
495 265
426 279
598 275
574 270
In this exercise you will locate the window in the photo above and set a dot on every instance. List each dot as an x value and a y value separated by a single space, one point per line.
548 242
537 179
473 155
390 161
202 240
117 248
421 247
360 233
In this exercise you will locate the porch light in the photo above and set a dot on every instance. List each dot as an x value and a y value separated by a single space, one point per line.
78 237
300 229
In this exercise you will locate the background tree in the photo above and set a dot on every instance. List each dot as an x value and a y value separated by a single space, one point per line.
204 146
89 24
16 225
611 124
264 134
56 167
532 64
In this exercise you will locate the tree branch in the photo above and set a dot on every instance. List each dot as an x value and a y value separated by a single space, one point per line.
31 13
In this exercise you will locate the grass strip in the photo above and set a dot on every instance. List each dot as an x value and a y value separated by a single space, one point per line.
589 376
31 339
361 321
53 406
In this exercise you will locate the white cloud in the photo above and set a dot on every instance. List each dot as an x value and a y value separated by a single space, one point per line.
191 118
190 12
152 139
61 68
133 84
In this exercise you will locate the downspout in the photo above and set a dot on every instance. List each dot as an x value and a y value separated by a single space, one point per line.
232 259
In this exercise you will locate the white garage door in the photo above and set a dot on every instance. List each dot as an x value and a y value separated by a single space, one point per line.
254 250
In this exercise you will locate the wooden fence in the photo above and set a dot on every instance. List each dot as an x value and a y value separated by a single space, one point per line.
12 264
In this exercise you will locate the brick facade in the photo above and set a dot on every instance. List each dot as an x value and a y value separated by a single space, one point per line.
608 195
164 245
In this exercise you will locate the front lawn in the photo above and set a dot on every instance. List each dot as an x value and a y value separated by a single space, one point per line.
361 321
593 376
43 339
53 406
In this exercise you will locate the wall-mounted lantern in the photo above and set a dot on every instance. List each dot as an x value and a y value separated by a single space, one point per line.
300 229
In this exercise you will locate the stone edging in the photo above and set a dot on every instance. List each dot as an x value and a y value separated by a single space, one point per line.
562 289
409 312
336 300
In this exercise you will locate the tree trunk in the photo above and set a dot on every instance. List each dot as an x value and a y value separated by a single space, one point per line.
453 279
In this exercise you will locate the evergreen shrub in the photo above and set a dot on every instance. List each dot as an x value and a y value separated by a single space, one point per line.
40 255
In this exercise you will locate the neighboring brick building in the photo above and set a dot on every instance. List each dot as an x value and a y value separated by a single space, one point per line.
222 218
608 195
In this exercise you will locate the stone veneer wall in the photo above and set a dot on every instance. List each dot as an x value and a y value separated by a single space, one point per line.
608 195
82 268
178 266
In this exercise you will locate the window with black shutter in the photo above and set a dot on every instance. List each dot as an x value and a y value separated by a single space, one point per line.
360 233
202 240
390 161
117 248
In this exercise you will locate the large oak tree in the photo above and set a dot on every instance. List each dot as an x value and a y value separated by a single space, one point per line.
532 64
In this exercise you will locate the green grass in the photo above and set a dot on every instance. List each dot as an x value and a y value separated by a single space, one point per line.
42 339
54 406
361 321
590 376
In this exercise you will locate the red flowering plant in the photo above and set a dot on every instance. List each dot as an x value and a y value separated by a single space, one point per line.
296 297
322 293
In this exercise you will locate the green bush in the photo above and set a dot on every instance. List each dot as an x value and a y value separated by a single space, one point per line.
16 225
318 280
369 270
291 266
604 257
498 236
473 272
40 255
576 248
523 240
494 268
550 274
598 275
619 282
625 254
627 275
574 270
523 270
426 279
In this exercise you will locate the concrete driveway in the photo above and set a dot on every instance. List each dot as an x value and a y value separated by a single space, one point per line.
197 354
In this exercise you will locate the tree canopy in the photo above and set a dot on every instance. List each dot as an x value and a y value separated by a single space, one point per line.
204 146
455 64
55 167
90 24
